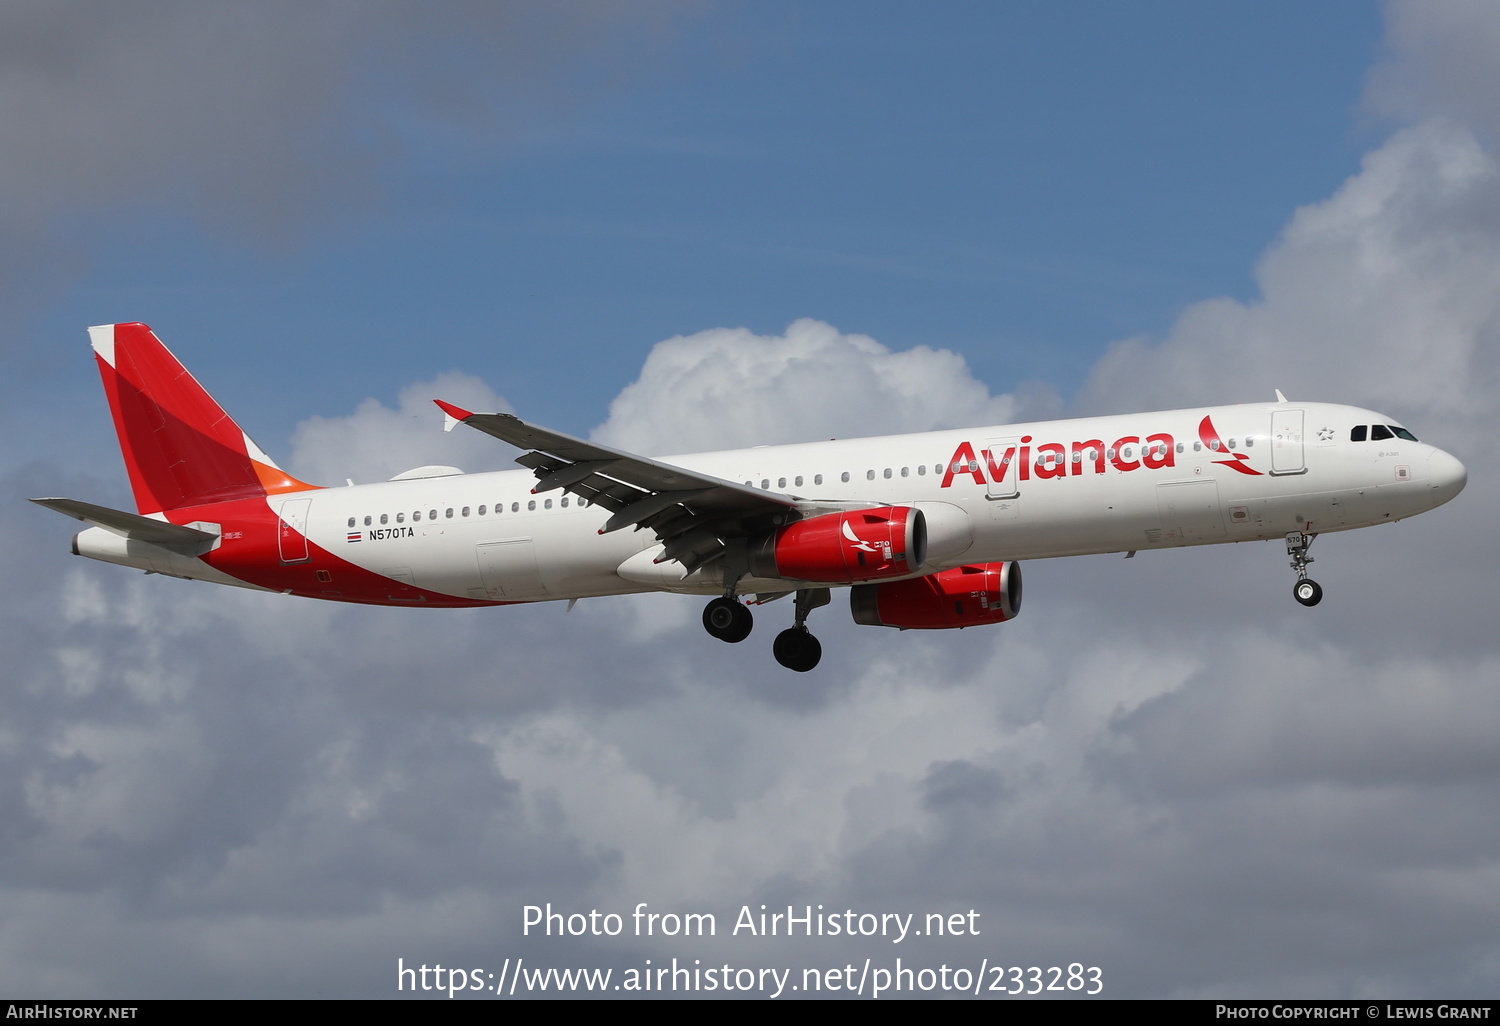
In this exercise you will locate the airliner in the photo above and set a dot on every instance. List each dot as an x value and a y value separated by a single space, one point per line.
927 531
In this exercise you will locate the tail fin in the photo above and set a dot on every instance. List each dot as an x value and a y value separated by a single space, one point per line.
180 447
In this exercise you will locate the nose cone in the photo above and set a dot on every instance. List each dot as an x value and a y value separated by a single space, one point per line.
1446 476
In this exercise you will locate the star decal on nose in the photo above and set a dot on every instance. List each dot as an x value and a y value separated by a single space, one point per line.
1325 434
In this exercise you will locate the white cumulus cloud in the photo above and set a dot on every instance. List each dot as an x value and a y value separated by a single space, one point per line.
729 387
1385 295
376 442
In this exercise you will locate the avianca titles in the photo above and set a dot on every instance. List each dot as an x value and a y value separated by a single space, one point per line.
926 530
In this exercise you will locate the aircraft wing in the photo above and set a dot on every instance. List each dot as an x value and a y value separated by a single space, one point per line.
697 517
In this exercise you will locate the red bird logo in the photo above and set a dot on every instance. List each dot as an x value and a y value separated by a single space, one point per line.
1237 460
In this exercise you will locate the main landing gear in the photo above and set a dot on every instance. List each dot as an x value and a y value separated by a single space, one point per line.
1306 591
796 648
727 619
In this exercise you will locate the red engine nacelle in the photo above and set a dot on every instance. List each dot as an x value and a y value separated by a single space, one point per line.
837 548
965 596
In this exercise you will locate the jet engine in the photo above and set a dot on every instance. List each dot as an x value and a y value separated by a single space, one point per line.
965 596
837 548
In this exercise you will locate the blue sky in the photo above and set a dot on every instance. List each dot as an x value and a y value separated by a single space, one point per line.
1021 183
686 225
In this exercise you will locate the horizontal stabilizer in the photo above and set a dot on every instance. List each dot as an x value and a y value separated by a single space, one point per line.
189 541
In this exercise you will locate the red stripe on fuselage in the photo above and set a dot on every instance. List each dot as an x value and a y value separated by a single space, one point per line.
249 552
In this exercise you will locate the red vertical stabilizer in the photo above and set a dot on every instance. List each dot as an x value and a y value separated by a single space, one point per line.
180 447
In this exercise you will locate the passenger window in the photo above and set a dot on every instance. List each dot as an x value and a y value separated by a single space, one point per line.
869 475
448 512
400 518
1231 443
432 514
547 504
1249 441
367 521
798 482
1380 433
1197 446
781 482
515 507
1180 447
887 473
531 505
481 510
416 515
844 477
351 521
906 472
817 479
565 502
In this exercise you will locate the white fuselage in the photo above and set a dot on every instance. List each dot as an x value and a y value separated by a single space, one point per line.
1105 484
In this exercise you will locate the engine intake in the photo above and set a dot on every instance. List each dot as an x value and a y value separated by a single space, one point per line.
965 596
839 548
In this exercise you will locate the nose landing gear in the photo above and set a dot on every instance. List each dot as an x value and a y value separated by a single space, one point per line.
1306 591
1309 593
796 648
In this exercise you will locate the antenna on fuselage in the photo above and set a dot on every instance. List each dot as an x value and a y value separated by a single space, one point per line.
1279 397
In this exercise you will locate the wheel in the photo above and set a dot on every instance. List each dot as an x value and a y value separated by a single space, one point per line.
796 649
727 620
1309 593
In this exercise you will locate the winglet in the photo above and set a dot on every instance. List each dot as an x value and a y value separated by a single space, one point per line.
452 414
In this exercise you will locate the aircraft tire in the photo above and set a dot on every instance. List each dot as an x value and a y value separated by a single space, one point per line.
727 620
796 649
1308 592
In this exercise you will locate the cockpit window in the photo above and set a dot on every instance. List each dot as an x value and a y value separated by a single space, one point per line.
1360 433
1401 432
1380 433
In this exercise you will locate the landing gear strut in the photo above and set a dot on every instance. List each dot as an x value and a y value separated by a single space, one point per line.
1306 591
796 648
727 619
